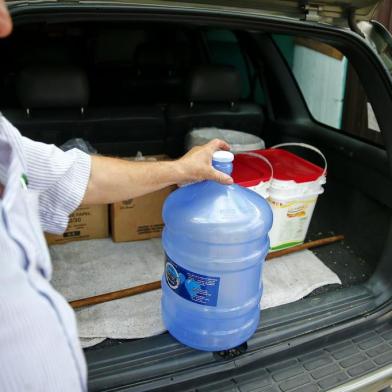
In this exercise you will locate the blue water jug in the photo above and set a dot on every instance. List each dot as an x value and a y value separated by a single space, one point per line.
215 241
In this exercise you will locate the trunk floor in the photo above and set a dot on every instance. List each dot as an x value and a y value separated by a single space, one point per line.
339 257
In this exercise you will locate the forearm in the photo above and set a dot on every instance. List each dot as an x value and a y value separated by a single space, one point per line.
113 179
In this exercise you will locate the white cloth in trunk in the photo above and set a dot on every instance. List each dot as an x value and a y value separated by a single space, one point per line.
87 268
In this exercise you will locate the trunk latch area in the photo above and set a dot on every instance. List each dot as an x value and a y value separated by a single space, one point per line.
232 352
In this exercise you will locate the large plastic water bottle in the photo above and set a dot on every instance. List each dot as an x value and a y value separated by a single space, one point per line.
215 240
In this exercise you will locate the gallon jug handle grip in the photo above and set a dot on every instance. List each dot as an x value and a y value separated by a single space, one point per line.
309 147
263 158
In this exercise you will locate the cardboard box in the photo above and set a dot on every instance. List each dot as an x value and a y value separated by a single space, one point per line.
139 218
85 223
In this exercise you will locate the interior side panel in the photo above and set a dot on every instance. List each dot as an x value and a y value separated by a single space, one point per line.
358 193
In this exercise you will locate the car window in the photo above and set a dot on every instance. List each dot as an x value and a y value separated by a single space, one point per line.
223 48
330 86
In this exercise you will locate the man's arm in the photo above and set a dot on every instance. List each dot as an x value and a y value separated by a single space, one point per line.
64 180
114 179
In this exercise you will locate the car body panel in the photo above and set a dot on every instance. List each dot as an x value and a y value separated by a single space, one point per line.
334 12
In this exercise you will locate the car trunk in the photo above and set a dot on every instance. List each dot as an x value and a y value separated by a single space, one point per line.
125 115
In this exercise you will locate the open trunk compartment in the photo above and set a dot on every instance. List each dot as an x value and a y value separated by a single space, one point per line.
356 203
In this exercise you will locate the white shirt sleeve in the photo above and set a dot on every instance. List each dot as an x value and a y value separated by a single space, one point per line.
60 177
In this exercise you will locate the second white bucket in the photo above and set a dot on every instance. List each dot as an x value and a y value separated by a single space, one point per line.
293 194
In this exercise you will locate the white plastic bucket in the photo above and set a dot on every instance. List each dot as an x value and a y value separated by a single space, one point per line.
292 194
239 141
255 176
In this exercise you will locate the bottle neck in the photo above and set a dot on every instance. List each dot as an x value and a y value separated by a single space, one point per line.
225 167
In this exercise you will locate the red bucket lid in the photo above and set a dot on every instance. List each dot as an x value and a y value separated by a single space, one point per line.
288 166
250 171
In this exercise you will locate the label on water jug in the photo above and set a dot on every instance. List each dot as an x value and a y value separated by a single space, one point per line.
201 289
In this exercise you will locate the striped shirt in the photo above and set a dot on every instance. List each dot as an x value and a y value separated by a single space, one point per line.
40 186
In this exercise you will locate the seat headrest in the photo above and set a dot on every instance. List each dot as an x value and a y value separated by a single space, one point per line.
214 83
53 87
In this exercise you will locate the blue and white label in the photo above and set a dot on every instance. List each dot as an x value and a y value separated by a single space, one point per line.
200 289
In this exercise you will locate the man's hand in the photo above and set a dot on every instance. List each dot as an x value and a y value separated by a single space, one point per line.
196 165
5 20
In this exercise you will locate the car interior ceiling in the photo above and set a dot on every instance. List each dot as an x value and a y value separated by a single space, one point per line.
141 87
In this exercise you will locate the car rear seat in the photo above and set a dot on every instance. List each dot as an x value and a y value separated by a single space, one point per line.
126 130
156 79
53 101
214 93
122 122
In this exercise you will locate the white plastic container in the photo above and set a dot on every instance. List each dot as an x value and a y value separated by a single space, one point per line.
253 171
293 194
239 141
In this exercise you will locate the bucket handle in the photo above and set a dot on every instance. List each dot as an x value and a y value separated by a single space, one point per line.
309 147
263 158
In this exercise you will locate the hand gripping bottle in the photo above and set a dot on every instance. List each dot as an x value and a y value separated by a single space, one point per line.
215 241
